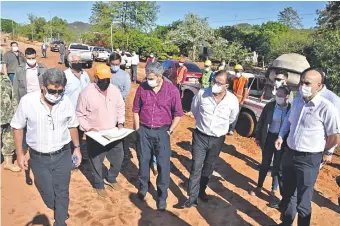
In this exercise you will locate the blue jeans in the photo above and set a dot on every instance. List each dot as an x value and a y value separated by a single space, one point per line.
11 76
62 60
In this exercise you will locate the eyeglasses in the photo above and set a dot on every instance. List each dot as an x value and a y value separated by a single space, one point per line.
50 119
53 91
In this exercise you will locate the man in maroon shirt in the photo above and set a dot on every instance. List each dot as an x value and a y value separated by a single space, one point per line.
157 111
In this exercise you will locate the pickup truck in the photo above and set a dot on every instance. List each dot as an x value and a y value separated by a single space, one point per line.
84 52
251 110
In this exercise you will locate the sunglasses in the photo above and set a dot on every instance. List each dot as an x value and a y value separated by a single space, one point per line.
53 91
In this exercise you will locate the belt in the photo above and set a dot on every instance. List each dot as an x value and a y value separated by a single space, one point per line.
300 153
64 148
157 128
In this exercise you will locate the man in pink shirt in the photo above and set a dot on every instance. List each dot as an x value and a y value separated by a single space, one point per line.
101 107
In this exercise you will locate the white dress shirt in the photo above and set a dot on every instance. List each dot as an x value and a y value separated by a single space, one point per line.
75 85
310 124
32 80
214 119
135 60
278 118
47 131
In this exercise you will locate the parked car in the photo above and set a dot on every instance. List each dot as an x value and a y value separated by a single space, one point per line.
101 54
252 108
54 46
84 52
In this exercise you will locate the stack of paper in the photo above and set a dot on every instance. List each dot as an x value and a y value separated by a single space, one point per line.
105 137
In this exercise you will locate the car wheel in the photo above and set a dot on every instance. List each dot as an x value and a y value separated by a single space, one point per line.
187 99
245 124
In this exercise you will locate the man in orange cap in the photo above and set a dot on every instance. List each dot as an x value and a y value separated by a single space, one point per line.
101 107
181 73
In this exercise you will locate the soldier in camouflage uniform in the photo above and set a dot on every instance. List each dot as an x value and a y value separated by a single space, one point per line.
8 107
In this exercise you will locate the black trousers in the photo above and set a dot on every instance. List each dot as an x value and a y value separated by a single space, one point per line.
154 142
267 155
300 171
134 73
52 177
97 153
205 151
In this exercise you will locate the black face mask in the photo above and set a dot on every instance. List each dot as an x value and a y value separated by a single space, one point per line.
103 84
77 66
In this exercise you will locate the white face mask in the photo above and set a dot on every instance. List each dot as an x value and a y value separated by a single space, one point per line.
280 100
15 48
274 91
278 84
31 62
217 89
223 63
152 83
53 99
305 91
207 69
180 64
238 74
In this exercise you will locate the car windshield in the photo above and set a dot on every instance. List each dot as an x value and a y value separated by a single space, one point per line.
56 42
80 47
192 67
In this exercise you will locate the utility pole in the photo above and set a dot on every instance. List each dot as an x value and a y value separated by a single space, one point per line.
50 24
12 29
112 31
32 33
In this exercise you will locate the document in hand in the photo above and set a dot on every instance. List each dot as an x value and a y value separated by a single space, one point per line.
105 137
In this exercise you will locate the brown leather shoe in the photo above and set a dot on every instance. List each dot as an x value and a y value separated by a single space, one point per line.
116 186
102 193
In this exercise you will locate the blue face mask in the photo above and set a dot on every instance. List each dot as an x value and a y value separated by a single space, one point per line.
114 68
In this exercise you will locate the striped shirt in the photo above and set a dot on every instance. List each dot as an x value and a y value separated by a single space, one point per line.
47 131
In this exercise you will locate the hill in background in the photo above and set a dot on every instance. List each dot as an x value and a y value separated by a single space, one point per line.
79 26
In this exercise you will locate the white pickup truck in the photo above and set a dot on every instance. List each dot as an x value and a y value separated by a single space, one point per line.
252 108
84 52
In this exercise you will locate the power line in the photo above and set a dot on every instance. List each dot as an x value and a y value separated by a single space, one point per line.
260 18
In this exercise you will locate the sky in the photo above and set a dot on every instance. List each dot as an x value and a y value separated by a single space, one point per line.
218 13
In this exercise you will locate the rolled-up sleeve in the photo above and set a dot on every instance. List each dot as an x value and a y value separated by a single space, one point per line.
137 101
235 109
195 105
73 121
177 110
19 119
331 121
81 112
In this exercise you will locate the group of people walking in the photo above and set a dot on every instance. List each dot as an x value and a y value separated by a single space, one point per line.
57 107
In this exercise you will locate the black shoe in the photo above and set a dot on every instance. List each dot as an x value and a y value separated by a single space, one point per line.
190 203
203 196
274 205
29 181
141 196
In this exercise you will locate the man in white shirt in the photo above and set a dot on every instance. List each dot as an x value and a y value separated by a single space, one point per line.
214 109
77 81
134 65
51 125
314 130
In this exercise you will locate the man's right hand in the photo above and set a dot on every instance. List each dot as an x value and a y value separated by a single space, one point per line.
22 162
92 129
278 143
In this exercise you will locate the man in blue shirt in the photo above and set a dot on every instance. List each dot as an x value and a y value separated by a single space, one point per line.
314 130
121 79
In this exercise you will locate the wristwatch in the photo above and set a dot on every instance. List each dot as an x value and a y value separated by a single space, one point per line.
170 132
76 146
328 153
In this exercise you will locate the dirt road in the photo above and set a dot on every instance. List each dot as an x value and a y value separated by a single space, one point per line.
235 173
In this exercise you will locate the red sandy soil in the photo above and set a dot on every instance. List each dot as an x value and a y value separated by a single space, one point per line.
230 204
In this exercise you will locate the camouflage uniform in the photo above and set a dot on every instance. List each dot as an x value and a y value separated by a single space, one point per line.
8 107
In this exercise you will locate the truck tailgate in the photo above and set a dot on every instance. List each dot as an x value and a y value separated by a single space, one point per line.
85 55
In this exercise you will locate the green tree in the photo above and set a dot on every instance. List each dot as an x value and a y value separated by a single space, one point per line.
192 33
6 25
329 18
290 18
